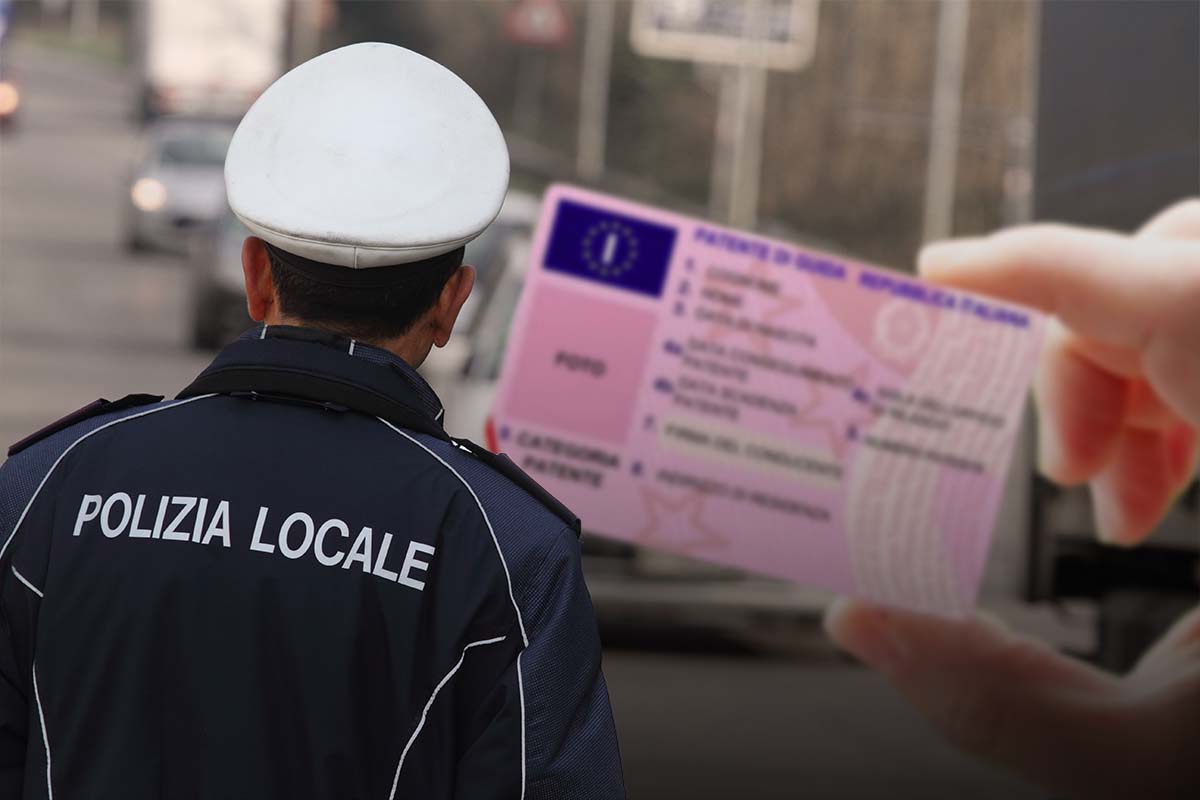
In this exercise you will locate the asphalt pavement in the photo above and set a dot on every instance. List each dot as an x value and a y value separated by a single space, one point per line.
698 717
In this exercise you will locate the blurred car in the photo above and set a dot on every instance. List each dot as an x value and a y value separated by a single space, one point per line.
624 580
177 185
462 368
217 296
10 96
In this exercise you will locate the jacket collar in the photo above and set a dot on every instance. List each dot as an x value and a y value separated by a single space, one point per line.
334 356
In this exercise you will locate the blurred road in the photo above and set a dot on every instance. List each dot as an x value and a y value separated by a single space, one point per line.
79 318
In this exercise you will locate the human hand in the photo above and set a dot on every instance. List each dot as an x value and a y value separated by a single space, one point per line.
1118 399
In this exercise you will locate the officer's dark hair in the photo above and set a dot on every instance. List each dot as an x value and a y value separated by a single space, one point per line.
370 304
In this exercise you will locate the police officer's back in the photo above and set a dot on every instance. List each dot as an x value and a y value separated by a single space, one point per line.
290 581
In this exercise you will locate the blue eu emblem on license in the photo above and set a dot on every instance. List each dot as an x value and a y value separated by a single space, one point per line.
609 248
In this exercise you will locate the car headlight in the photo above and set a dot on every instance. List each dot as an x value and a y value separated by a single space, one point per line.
10 98
148 194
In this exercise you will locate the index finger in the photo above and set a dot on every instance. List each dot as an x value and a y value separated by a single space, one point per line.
1178 221
1102 285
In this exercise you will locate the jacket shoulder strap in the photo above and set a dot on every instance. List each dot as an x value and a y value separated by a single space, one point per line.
508 468
297 384
92 409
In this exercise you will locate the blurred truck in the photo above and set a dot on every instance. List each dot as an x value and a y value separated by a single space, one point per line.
209 58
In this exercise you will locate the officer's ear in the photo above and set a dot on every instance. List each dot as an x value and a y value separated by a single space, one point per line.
260 286
450 302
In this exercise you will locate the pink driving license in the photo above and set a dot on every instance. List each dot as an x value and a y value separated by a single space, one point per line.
742 400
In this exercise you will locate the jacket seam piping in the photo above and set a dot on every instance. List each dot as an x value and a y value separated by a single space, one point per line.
429 704
486 519
71 447
25 581
37 696
511 595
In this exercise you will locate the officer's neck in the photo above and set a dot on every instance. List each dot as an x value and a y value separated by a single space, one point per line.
412 348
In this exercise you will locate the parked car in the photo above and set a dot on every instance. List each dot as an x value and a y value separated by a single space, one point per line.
217 297
10 96
177 184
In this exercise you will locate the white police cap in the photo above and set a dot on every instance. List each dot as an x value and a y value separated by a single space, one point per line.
367 156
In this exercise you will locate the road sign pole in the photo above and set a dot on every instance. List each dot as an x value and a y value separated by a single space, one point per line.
531 80
305 33
749 37
593 89
746 169
719 186
947 113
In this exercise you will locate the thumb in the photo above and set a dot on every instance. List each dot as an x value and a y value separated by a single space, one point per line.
997 695
1176 654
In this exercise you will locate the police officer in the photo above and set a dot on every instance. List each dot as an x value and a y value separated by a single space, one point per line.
290 581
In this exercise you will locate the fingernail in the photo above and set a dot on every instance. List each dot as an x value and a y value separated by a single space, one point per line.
944 255
1049 450
863 631
1107 514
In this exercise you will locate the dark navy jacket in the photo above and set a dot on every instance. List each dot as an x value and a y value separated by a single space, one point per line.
229 597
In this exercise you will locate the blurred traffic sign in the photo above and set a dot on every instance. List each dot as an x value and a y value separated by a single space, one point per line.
539 23
773 34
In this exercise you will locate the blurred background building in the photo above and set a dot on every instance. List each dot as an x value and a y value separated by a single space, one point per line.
865 127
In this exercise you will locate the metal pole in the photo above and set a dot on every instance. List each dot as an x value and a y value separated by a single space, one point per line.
305 35
531 77
1022 209
593 90
719 190
750 110
747 146
947 101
